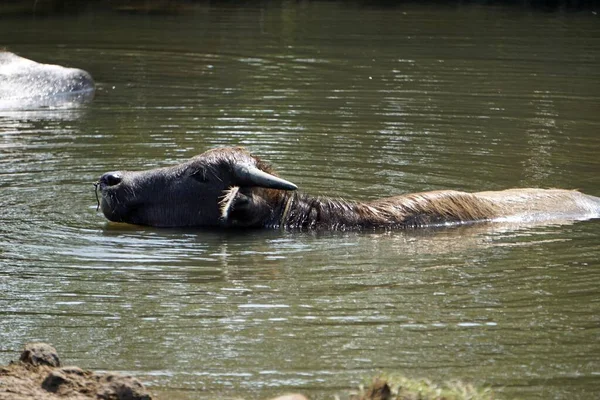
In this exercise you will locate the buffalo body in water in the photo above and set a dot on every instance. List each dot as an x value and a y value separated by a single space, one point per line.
26 84
229 187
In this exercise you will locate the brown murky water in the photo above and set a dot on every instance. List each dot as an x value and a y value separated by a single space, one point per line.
343 100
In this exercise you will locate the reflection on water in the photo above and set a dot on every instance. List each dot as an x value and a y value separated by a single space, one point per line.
344 101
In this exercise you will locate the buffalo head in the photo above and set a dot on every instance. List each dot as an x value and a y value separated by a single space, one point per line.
220 187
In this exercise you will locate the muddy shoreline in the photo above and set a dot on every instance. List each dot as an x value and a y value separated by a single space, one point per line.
39 374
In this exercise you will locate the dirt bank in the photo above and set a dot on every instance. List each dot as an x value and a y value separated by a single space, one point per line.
39 375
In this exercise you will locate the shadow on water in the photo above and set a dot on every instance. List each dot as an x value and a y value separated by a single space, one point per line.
180 7
536 5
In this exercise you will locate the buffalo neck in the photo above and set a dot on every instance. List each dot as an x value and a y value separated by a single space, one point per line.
301 211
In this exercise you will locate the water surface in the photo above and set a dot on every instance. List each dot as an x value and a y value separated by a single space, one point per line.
344 101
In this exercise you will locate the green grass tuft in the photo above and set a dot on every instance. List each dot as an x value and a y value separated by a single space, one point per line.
399 387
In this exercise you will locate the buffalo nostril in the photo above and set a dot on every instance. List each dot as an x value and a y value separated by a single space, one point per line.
111 178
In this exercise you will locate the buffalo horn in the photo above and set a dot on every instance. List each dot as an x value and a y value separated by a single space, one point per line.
251 176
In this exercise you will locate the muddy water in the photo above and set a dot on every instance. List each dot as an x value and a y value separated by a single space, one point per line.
343 100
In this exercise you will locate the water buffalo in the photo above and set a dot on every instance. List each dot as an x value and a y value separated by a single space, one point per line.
26 84
229 187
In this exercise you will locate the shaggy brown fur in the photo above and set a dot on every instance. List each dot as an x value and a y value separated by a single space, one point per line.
436 208
413 210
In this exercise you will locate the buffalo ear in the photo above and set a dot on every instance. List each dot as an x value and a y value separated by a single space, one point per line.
241 207
248 175
228 202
